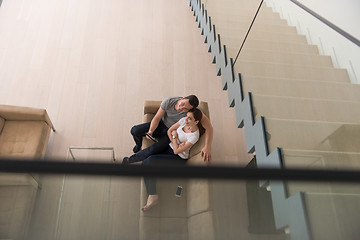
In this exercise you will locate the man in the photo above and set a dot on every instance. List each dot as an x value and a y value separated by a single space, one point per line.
171 110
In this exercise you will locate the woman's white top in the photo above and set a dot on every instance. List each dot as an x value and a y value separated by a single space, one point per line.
192 137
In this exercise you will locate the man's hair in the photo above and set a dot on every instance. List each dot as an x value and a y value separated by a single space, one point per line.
193 100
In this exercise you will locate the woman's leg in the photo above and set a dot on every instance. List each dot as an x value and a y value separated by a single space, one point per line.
152 201
155 148
150 182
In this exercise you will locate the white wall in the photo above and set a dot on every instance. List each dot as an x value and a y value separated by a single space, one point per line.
344 14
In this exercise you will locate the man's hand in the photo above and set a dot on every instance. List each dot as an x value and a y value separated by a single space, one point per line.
206 154
150 133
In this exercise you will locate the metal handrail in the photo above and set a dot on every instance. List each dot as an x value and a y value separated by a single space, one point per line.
328 23
51 166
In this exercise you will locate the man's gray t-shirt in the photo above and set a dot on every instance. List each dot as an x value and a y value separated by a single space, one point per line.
171 116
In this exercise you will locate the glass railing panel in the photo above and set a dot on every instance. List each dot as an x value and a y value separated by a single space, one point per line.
331 209
83 208
335 143
109 207
17 198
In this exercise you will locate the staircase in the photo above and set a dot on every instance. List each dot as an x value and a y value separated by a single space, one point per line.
310 110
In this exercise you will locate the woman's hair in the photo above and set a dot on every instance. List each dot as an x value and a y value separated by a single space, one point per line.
193 101
198 116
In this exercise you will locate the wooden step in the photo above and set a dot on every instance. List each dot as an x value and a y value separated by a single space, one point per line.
306 109
262 69
264 44
235 12
236 5
238 25
235 19
312 135
239 6
238 36
301 88
252 55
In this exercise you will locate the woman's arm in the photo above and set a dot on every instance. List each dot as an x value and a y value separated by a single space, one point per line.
180 148
206 150
177 148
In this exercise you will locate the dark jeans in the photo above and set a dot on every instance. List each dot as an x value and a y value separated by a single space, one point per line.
166 158
138 133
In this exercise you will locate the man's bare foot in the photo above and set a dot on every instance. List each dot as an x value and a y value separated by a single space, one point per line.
152 201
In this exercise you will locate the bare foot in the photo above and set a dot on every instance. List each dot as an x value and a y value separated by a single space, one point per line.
152 201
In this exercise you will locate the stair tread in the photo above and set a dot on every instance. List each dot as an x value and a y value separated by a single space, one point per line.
249 13
222 20
241 23
307 109
269 36
250 54
259 28
264 44
248 68
301 88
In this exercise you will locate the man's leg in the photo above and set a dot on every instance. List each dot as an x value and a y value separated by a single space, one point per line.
155 148
138 132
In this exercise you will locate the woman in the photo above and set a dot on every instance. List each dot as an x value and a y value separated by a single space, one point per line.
183 135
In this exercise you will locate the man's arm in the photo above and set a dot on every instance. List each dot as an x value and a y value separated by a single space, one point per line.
155 121
206 150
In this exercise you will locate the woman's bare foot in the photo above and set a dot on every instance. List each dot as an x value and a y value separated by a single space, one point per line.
152 201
